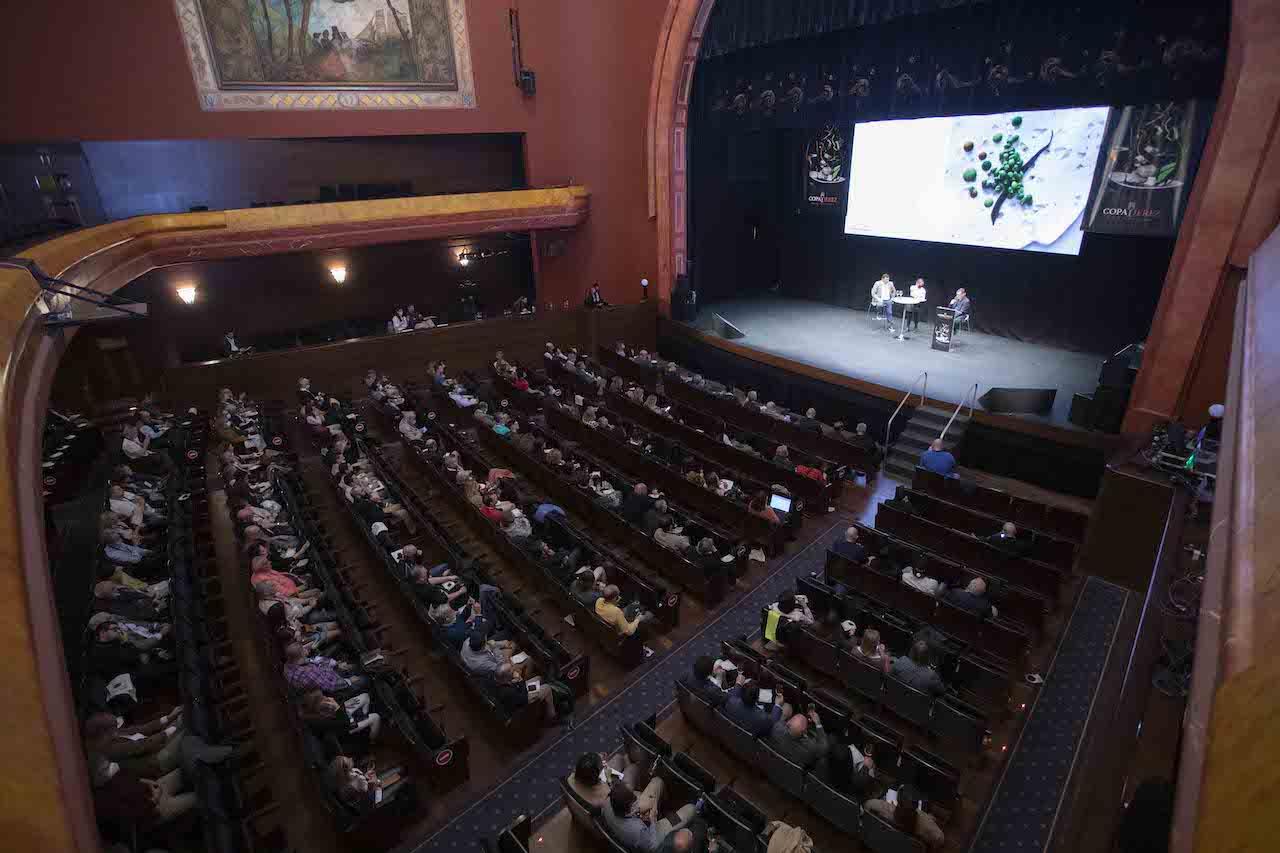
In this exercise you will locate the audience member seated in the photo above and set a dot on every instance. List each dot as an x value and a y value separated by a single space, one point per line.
320 673
515 525
359 789
587 589
349 724
513 693
759 506
937 460
482 656
917 579
800 739
850 548
913 670
608 609
845 769
705 682
633 819
972 598
906 817
637 504
870 649
667 537
594 774
1006 539
743 708
795 608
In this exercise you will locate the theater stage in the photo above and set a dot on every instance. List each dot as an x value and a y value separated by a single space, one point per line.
853 343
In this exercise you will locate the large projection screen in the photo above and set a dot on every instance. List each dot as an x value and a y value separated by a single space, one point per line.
1010 181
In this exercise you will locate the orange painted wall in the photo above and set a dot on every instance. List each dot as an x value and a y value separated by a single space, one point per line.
119 71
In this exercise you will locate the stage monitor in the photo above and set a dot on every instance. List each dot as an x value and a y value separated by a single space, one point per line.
1009 181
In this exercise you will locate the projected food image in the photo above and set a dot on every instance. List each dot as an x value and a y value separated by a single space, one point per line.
1012 180
1022 178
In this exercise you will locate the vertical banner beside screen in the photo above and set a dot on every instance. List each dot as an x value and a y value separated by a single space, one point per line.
1148 160
826 169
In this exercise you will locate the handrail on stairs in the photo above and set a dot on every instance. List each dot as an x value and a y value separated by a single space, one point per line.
924 390
972 397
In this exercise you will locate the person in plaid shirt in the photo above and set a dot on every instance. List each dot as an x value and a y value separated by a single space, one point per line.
319 673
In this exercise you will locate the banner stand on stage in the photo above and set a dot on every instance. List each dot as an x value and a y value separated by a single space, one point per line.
944 328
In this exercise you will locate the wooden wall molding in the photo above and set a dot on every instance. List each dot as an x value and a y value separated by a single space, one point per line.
49 805
1234 204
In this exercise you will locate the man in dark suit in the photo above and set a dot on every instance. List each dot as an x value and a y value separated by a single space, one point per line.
850 548
656 517
960 304
1006 539
744 709
972 598
636 504
701 685
594 298
800 739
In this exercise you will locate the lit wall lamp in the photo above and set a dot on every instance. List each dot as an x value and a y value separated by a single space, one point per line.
464 258
338 272
187 293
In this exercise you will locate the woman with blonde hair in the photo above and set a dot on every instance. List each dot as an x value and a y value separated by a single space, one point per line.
871 650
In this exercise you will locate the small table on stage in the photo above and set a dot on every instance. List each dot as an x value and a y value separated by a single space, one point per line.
906 302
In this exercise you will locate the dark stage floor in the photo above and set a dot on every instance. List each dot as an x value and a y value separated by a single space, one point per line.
855 343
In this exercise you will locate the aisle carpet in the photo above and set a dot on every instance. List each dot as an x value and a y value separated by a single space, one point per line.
533 788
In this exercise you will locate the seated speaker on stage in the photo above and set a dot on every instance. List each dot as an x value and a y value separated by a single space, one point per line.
918 291
960 304
882 293
937 460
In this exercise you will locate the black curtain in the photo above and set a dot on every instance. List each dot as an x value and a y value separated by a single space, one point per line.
754 109
805 64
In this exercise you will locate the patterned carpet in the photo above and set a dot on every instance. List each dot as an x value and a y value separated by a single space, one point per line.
532 789
1024 808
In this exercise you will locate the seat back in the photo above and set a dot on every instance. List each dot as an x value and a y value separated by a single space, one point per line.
602 831
910 704
838 809
935 779
697 712
781 772
884 743
861 677
882 837
957 727
736 739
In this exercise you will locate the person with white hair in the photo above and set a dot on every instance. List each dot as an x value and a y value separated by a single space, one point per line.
972 598
409 428
849 547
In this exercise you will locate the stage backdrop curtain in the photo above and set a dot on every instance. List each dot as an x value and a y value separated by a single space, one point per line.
806 64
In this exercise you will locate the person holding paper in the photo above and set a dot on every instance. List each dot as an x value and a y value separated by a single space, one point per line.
743 708
514 693
708 678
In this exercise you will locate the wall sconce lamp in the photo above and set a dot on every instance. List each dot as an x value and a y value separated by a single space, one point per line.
339 273
187 293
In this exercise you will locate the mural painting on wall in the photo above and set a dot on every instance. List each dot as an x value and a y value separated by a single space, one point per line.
328 54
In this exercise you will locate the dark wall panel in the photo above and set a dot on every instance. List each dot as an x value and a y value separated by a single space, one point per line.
281 300
173 175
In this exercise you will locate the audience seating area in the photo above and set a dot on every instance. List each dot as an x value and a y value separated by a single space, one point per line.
576 477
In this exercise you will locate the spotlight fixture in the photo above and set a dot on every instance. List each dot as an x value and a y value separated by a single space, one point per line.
467 257
339 273
187 293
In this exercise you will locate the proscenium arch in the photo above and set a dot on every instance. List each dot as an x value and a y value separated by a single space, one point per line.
49 805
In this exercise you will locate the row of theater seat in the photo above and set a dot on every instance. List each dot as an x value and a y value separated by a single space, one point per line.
522 724
858 457
709 587
650 592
